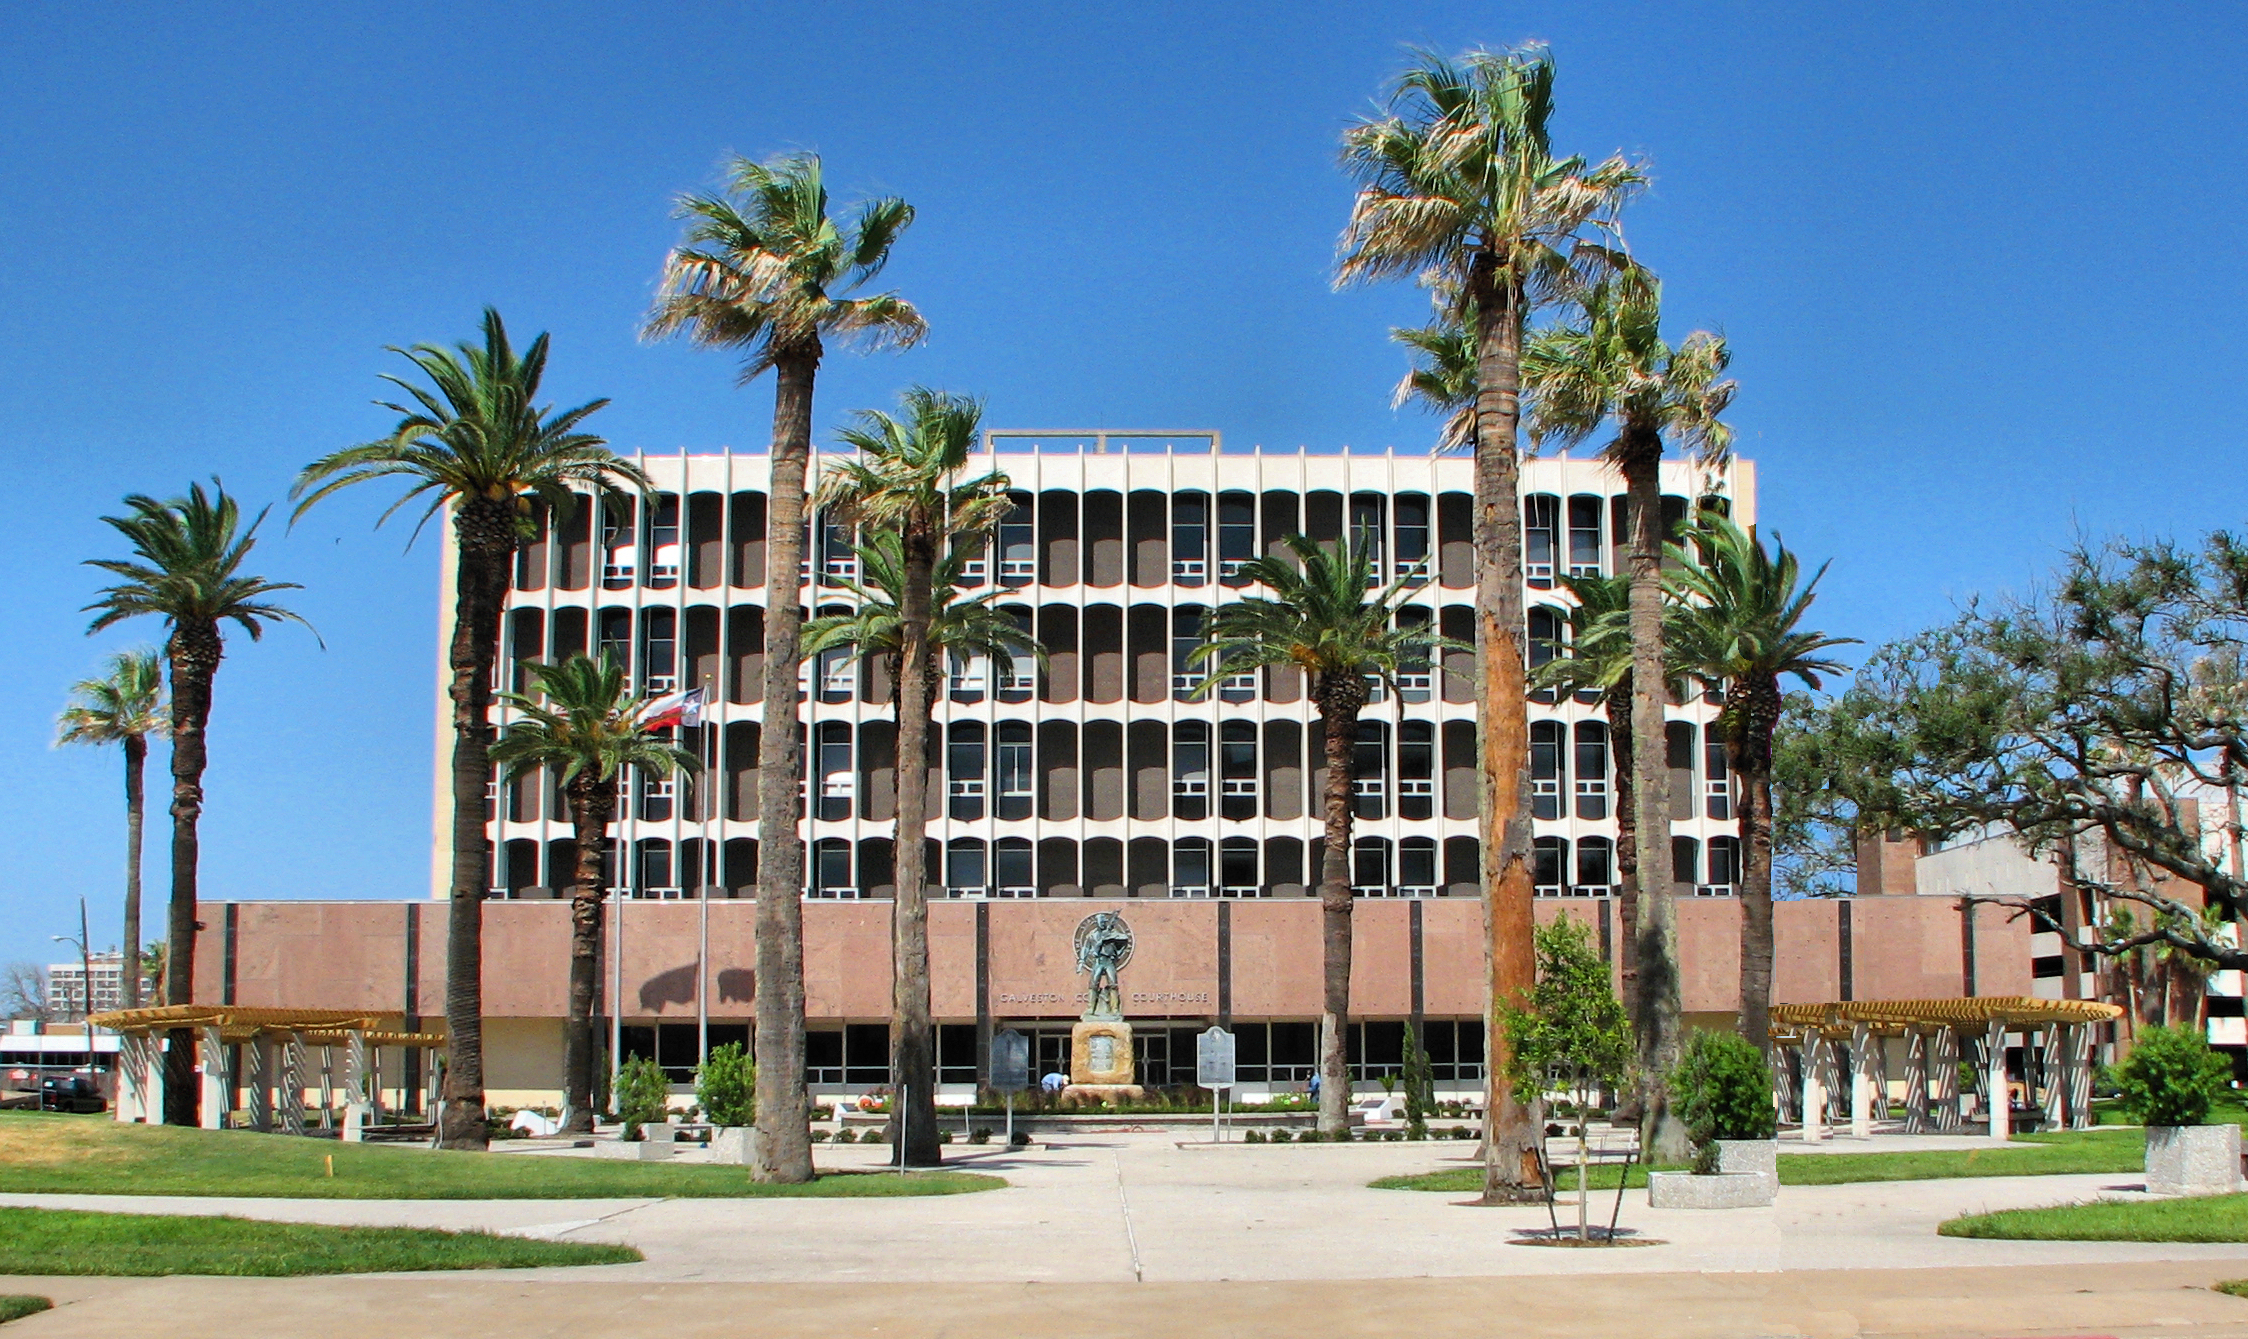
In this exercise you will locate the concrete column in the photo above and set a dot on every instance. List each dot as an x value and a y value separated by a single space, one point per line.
1916 1080
1861 1081
1943 1061
1814 1087
2052 1060
257 1060
1783 1082
292 1083
132 1078
215 1095
327 1087
2080 1076
1994 1082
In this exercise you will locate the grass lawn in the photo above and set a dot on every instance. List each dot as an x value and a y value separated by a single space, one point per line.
2033 1155
92 1155
15 1306
69 1241
2202 1218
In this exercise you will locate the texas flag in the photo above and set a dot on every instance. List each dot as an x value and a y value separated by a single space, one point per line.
674 709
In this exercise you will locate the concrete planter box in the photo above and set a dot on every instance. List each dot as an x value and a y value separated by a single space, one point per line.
1747 1177
2193 1159
734 1145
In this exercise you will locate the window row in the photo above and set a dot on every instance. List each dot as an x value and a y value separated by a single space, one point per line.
1592 872
1101 538
1011 867
1572 771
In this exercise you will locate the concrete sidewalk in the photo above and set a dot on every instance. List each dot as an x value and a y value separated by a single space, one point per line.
2120 1301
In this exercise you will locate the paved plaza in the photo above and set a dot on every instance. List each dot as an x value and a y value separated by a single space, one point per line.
1120 1232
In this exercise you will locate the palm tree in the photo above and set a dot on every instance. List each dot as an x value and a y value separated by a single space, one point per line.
584 727
187 570
962 627
1442 378
1460 186
763 269
1607 364
478 441
1738 622
125 707
901 485
1324 622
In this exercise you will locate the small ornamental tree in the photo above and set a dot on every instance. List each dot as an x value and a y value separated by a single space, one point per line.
2171 1077
643 1094
1573 1038
1420 1086
1724 1091
726 1086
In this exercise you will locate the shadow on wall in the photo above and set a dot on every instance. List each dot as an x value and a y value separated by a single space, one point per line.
736 985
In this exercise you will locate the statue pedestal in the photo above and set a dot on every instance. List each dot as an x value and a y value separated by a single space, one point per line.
1100 1054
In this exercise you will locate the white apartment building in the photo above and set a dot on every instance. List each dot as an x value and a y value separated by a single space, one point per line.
1095 776
66 985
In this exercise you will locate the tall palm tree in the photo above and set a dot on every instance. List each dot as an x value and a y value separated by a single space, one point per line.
124 707
478 441
960 625
1323 621
1738 622
187 570
1607 365
902 482
1460 186
1442 378
763 269
1596 662
584 727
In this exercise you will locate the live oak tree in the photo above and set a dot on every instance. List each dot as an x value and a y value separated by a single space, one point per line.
476 441
1604 366
586 729
1329 621
1739 622
187 569
125 707
765 270
2108 709
1460 187
903 484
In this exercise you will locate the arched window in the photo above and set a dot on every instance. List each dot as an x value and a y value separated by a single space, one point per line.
651 868
833 762
1190 867
1416 771
1237 535
1724 867
964 870
1592 769
1011 766
1237 770
1541 539
964 771
1416 867
1190 770
1549 860
1190 538
1018 550
831 868
1596 867
1584 535
1013 868
1237 867
1369 786
1369 867
1547 770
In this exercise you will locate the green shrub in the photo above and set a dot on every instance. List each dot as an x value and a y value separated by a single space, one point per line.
979 1135
1283 1136
1463 1132
643 1094
847 1136
2171 1077
1253 1137
1723 1090
726 1085
877 1135
822 1136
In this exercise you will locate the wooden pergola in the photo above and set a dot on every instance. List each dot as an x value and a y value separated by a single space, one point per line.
1937 1033
283 1053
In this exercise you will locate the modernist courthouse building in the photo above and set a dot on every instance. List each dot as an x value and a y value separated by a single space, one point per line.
1091 781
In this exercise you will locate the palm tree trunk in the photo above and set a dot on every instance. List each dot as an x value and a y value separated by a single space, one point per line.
194 651
1338 715
589 819
1511 1138
136 762
783 1114
484 532
1616 707
1755 709
1657 1010
912 1053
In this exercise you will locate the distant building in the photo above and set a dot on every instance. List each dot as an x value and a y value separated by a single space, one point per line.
66 986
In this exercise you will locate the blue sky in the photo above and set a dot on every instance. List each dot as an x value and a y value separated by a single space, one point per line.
1981 267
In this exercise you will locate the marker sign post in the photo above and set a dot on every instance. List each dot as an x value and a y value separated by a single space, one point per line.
1214 1070
1010 1070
